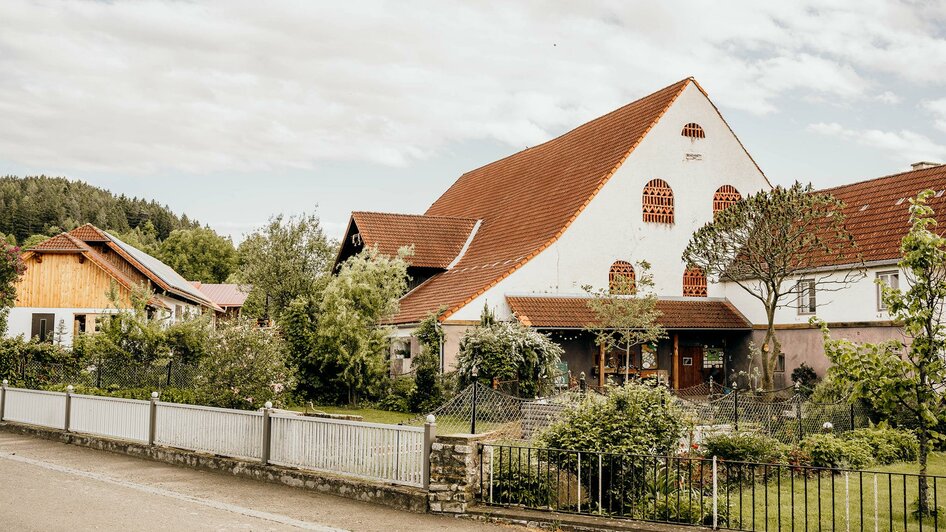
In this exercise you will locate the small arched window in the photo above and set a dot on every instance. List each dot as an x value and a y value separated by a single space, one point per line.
621 278
694 131
694 282
725 196
658 202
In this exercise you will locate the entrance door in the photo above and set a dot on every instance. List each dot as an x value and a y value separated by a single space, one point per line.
690 365
42 327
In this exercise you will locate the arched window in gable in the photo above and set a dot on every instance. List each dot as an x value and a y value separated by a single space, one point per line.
694 131
694 282
725 196
622 279
658 202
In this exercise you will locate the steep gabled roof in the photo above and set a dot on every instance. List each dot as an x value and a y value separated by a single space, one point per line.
877 211
437 240
526 201
77 241
676 313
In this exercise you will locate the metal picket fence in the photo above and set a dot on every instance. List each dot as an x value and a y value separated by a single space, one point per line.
388 453
708 492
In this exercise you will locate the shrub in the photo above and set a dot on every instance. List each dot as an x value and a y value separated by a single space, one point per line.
887 445
805 376
168 395
631 419
827 450
398 397
245 368
745 447
427 395
521 482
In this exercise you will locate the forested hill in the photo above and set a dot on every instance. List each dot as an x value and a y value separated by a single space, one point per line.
48 205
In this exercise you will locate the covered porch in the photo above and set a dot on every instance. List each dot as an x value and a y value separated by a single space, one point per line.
703 336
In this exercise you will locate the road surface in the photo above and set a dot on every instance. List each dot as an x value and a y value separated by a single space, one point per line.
52 486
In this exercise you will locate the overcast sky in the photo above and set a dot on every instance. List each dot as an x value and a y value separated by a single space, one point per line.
234 111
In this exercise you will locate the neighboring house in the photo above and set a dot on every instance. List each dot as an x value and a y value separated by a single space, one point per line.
69 277
877 215
522 235
229 297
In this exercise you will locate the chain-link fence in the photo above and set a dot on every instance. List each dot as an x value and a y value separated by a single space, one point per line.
787 419
478 408
122 375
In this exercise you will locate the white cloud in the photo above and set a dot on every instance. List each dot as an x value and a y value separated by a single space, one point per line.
240 86
938 109
902 146
888 97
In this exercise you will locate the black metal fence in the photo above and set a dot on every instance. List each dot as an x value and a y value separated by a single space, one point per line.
707 492
111 374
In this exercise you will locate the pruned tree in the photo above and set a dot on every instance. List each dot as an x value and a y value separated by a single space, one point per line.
767 243
625 313
906 380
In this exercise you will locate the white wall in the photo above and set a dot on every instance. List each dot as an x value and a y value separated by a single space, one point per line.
21 320
836 302
611 227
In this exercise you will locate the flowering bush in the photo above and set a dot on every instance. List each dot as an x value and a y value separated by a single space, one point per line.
11 268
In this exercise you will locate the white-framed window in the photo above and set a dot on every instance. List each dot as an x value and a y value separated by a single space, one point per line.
807 298
891 279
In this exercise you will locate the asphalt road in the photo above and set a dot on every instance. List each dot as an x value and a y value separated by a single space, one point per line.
52 486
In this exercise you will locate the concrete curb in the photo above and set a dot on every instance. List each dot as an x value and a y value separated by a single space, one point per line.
398 497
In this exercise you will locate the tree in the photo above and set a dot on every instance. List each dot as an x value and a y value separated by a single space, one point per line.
428 390
288 258
247 366
626 315
507 350
11 269
767 242
340 341
905 381
199 254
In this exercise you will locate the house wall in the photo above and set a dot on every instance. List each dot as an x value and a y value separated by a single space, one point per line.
65 280
20 321
611 226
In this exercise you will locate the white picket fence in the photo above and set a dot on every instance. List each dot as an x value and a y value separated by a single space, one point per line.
388 453
370 450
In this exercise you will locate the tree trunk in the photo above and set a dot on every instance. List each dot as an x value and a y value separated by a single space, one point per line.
922 508
769 353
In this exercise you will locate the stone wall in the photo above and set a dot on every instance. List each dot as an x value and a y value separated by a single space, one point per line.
454 472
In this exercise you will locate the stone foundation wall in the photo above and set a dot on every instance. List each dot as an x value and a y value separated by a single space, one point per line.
454 472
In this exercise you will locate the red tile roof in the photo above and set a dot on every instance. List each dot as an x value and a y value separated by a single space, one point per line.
225 295
877 212
437 240
527 200
61 242
574 312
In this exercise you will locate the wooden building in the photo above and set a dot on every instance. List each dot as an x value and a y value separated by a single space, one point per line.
74 277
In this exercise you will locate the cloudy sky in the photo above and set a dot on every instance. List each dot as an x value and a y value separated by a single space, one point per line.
233 111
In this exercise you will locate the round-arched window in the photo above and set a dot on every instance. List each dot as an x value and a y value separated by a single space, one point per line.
658 202
725 196
621 278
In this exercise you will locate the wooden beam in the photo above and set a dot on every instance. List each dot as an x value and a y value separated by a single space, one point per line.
601 365
676 361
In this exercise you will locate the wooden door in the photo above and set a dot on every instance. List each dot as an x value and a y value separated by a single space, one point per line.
690 365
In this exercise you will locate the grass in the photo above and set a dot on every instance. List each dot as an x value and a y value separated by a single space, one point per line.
880 499
371 415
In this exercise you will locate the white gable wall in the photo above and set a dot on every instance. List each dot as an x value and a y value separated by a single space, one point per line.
611 227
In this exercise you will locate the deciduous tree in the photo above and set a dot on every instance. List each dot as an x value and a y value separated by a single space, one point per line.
767 242
199 254
11 269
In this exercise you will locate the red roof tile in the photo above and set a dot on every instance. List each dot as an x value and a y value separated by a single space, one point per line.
527 200
61 242
877 212
437 240
89 233
574 312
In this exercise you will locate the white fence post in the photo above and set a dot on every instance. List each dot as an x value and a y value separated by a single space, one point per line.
152 417
267 432
68 407
3 397
715 497
430 434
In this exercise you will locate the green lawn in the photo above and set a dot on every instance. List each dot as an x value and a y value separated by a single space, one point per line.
866 500
371 415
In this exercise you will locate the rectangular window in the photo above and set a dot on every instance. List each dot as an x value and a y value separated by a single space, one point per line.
807 302
891 279
780 363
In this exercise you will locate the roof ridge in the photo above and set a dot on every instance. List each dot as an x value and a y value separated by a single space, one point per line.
411 215
888 176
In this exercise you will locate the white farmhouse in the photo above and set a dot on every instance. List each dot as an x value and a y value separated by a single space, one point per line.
522 235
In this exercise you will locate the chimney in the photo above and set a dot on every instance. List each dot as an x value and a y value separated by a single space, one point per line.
923 165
